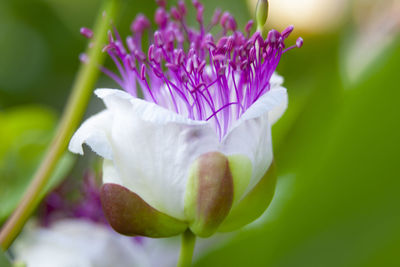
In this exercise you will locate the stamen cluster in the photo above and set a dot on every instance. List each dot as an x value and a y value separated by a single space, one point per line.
190 71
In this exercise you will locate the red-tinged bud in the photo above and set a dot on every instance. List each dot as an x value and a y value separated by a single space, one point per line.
129 214
209 193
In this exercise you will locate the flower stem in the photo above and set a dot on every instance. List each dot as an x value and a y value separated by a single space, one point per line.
187 248
72 116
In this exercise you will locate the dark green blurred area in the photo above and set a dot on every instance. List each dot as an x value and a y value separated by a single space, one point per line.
337 147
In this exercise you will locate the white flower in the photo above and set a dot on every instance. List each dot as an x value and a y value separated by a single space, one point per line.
80 243
152 151
195 152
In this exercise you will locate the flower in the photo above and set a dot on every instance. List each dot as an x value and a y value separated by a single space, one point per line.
193 152
82 243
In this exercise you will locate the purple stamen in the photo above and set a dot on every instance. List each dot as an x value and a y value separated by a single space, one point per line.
161 3
88 33
248 27
299 42
161 17
140 24
175 13
192 73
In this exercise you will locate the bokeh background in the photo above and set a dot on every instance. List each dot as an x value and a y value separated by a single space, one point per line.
337 147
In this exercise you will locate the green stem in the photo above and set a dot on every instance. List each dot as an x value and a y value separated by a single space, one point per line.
187 248
72 116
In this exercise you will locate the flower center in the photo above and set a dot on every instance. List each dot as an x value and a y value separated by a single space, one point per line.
189 71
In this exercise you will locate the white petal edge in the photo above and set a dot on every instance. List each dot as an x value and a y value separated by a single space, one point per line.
251 134
93 132
274 101
147 111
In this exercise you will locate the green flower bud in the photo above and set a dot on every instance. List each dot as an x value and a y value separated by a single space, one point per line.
261 14
209 193
253 204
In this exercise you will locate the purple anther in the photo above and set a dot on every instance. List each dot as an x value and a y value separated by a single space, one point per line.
158 39
230 42
175 13
161 17
216 16
120 48
150 53
130 43
143 72
252 55
273 36
248 27
181 57
249 44
231 24
286 32
182 7
224 19
139 55
130 62
161 3
200 11
196 3
140 24
189 65
256 37
158 55
299 42
86 32
222 42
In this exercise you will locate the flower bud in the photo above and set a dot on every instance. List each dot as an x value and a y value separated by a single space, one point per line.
130 215
261 13
209 193
253 204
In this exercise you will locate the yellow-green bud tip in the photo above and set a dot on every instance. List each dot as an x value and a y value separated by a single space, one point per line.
261 13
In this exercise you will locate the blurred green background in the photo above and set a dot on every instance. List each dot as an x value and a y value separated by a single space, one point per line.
337 147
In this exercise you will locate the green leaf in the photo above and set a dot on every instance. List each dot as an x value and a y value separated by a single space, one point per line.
25 133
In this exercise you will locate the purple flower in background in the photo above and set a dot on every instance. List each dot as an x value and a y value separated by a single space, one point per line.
196 151
61 204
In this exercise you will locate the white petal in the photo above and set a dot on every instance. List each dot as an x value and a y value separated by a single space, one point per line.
153 149
93 132
110 174
277 111
251 134
78 243
252 138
